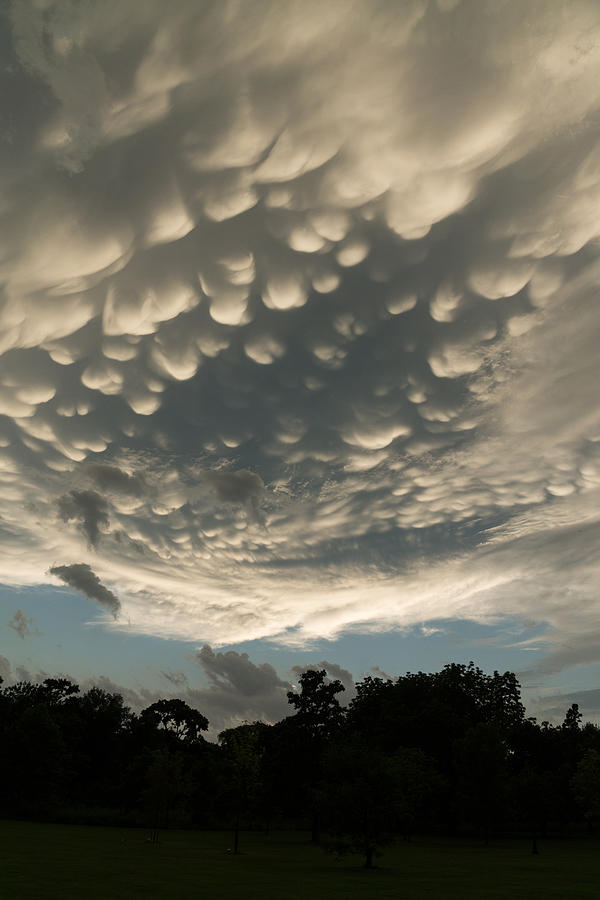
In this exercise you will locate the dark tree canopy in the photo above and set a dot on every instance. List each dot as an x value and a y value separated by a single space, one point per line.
317 708
449 751
177 718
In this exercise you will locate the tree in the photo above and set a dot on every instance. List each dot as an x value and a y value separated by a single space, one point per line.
174 717
318 710
162 784
367 797
356 796
586 786
244 748
35 756
96 726
572 720
318 719
480 763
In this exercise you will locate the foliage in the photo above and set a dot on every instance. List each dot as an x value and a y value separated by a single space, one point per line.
175 718
586 785
449 751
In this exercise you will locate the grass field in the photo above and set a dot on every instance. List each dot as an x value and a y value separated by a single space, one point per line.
61 862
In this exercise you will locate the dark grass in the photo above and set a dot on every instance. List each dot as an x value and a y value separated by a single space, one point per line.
61 862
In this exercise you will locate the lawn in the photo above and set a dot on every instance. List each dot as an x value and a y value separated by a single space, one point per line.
64 862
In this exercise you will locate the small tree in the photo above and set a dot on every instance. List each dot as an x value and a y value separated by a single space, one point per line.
480 768
174 717
162 785
359 798
318 719
318 710
586 786
244 748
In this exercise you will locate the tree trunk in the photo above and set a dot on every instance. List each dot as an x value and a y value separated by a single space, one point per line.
236 833
314 833
534 844
368 857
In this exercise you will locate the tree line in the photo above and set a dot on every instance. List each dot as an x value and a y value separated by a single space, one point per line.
447 752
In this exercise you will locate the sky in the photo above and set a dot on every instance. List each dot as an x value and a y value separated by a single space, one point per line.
299 332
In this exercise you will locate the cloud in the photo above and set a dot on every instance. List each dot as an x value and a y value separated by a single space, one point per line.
178 679
334 671
4 668
237 689
235 672
301 321
569 648
23 673
89 509
111 478
80 577
22 625
553 707
378 672
239 487
236 487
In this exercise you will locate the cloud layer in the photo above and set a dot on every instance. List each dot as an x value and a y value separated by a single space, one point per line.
299 322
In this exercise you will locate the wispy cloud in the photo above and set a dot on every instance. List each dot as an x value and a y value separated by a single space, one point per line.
23 625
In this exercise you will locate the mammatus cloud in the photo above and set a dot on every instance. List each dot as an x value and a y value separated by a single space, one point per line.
80 577
22 625
301 323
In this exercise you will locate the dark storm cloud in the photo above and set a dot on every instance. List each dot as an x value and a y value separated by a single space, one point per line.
80 577
89 509
236 673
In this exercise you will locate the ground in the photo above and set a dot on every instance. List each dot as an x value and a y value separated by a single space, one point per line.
48 862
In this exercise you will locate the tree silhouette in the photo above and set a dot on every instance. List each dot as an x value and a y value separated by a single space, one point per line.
317 720
244 749
175 718
586 786
318 711
450 748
